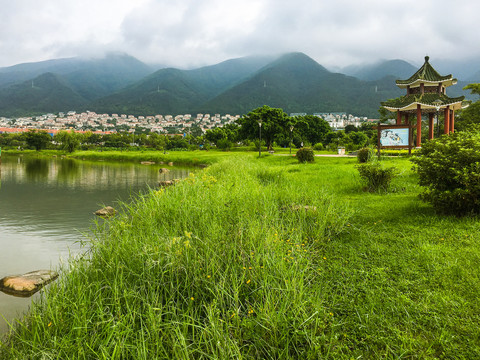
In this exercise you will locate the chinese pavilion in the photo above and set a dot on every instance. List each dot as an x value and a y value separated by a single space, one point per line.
426 95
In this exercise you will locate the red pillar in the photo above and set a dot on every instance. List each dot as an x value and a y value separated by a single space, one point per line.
430 126
419 125
446 125
399 117
452 121
406 119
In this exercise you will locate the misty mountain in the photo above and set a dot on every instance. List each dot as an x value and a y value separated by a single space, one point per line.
92 78
46 93
179 91
120 83
296 83
463 70
397 68
475 77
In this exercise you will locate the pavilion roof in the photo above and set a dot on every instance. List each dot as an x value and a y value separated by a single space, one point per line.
427 75
426 101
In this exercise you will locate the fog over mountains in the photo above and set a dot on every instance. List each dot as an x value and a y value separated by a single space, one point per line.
119 83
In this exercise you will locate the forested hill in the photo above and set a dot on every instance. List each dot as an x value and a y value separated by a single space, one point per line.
120 83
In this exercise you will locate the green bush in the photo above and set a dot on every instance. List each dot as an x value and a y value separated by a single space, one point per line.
376 177
449 169
224 144
318 147
365 155
305 154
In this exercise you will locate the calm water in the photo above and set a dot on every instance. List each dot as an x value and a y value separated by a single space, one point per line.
46 208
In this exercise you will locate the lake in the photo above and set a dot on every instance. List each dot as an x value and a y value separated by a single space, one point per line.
46 210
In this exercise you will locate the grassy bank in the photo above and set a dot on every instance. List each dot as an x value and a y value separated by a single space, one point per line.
187 158
194 158
267 258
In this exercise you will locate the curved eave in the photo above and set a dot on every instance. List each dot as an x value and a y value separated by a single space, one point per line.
416 83
413 106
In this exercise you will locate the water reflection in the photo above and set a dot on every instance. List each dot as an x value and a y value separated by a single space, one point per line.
68 170
36 169
46 205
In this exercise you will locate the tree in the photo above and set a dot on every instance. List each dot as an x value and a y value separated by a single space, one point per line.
474 88
336 138
196 131
92 138
350 128
120 140
273 123
449 169
356 140
215 135
231 131
470 115
156 140
312 129
69 140
37 139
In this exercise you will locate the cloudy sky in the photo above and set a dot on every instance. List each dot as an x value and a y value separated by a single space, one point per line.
188 33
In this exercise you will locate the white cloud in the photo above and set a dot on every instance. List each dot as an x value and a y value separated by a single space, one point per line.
191 32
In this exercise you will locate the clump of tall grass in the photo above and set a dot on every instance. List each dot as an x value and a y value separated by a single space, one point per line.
223 265
376 177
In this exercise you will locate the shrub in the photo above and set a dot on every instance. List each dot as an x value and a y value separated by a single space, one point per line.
365 155
449 169
318 147
305 154
376 177
224 144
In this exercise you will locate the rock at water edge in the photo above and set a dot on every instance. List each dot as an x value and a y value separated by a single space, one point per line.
27 284
106 212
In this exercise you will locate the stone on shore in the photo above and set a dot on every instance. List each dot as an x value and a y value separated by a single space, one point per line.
106 212
27 284
147 162
168 182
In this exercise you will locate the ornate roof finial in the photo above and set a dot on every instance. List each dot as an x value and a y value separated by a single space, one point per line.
427 58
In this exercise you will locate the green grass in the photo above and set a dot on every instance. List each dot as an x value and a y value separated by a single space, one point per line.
230 264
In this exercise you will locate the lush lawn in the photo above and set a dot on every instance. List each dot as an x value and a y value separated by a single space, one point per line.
267 258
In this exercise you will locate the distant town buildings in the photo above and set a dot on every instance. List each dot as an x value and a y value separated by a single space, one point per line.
91 121
339 120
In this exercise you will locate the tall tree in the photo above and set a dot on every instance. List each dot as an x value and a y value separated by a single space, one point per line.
273 123
312 129
69 140
37 139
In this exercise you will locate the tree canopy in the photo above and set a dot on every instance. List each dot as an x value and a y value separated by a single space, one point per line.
470 115
69 140
37 139
312 128
273 122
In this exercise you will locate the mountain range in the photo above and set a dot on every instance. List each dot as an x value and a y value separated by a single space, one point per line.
119 83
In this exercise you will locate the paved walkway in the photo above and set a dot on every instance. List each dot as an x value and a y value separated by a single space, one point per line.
320 155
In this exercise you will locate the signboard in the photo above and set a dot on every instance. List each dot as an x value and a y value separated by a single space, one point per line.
395 137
